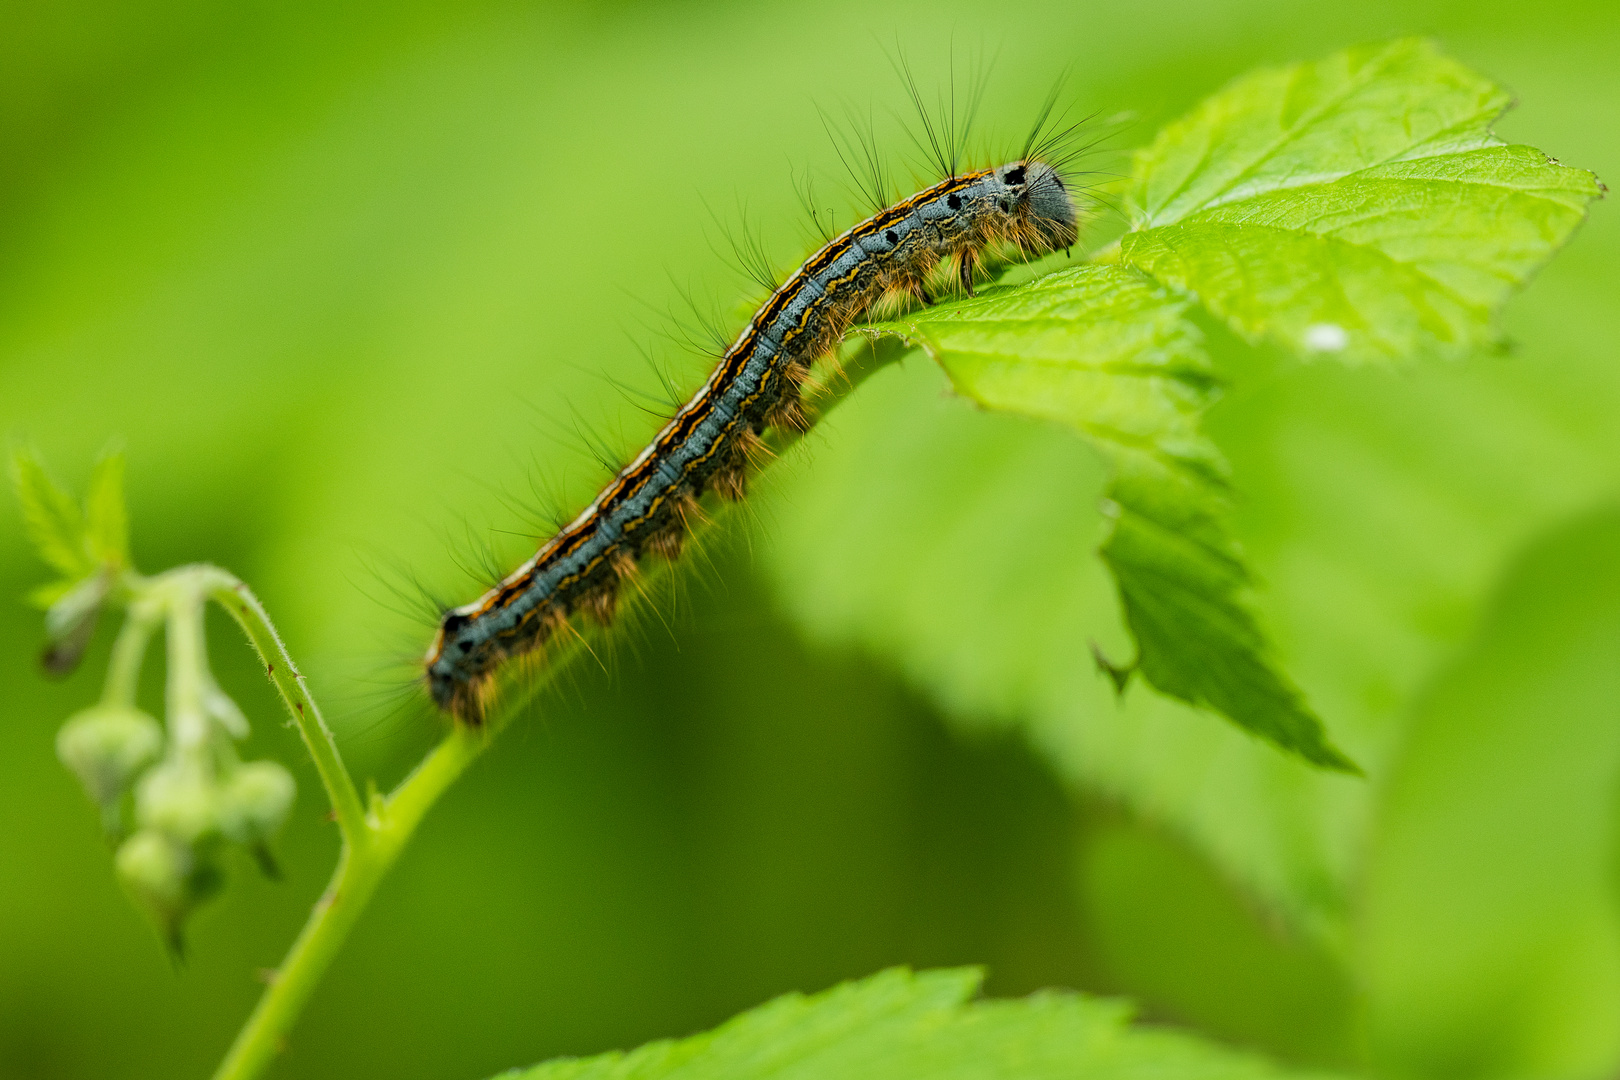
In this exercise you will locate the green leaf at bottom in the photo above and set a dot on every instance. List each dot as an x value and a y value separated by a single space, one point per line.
902 1026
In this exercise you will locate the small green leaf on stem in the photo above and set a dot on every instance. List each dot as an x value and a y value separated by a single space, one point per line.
89 548
105 516
53 521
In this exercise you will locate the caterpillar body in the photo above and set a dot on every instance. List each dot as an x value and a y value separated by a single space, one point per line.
1023 205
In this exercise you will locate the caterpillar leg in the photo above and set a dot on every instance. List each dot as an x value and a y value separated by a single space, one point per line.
966 268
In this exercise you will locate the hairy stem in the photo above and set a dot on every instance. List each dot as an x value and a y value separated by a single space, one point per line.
235 597
361 867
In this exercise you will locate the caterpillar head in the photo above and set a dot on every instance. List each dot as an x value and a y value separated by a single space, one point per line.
1043 213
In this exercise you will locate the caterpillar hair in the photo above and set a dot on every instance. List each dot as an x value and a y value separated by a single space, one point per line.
1018 210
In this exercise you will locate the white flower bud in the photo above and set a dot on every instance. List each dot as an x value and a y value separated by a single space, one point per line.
254 802
166 877
177 798
106 747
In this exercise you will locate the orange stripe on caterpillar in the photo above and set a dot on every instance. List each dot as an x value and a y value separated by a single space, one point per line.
1024 205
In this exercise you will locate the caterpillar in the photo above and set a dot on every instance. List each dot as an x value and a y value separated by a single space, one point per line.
1023 208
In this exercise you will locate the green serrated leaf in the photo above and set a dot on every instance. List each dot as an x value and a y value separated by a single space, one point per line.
956 543
1358 206
50 516
957 556
1107 352
1195 637
897 1026
106 519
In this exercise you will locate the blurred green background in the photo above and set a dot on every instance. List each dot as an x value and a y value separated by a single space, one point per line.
345 278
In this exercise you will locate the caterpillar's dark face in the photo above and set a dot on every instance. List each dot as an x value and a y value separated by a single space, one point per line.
1035 196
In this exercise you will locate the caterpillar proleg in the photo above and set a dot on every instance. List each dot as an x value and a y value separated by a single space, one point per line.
1023 208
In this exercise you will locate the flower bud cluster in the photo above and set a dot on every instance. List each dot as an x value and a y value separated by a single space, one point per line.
188 800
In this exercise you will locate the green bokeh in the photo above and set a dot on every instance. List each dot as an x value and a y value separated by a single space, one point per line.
345 280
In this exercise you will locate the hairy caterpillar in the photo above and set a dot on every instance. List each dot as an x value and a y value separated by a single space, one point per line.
1023 207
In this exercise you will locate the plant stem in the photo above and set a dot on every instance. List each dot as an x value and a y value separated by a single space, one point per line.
361 868
124 669
374 837
367 856
188 724
234 596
